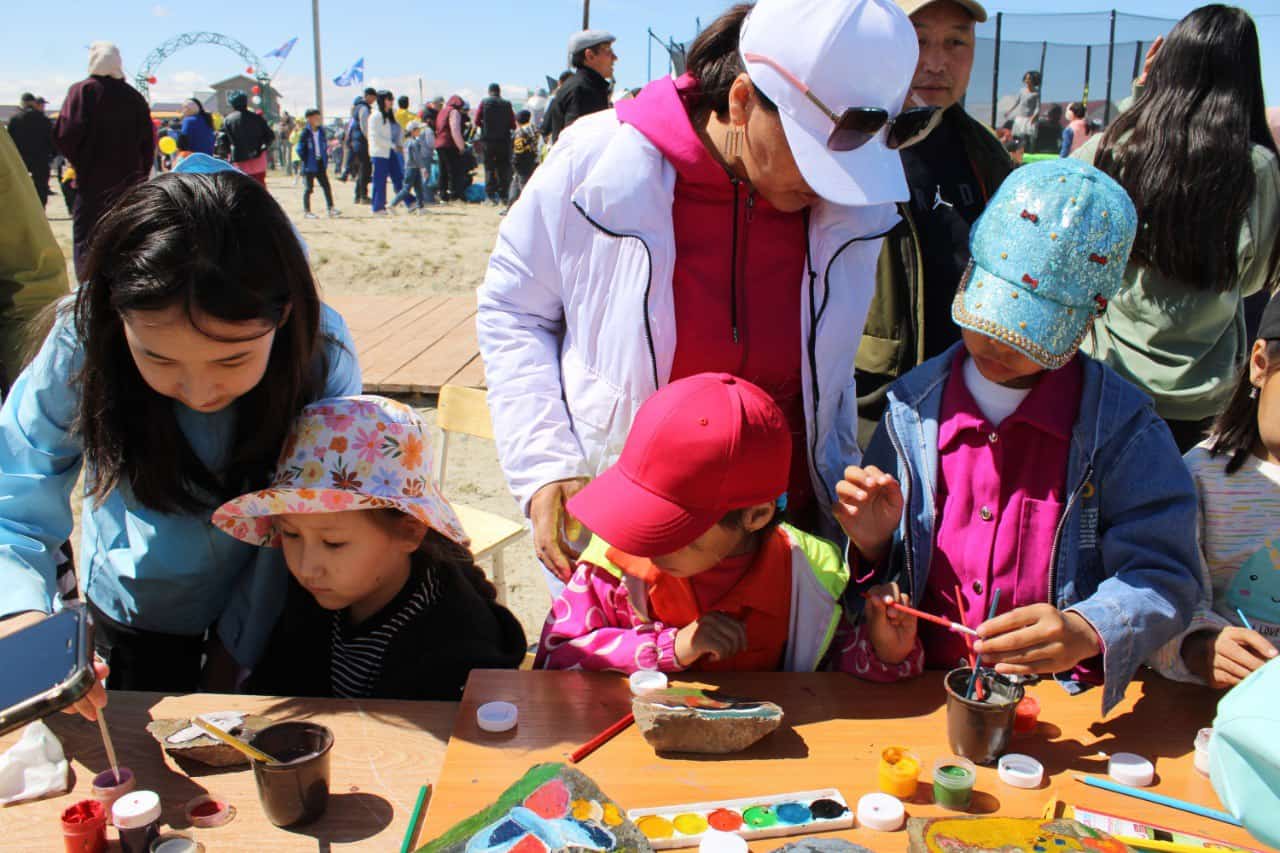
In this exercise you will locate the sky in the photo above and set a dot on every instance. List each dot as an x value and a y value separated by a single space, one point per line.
459 46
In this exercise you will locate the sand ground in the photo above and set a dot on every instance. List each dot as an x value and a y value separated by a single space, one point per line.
444 251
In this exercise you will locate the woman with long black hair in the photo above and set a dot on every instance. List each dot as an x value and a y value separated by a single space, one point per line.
382 119
1195 154
196 134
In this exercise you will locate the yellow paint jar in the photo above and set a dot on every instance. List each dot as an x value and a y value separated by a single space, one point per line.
899 769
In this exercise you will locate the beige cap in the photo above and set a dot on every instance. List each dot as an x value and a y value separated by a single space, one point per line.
973 7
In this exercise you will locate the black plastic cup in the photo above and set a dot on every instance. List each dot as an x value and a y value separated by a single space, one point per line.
980 731
296 790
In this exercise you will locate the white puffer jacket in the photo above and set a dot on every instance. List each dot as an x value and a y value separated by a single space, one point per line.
577 320
379 134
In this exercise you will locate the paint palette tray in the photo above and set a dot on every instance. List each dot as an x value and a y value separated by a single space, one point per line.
801 813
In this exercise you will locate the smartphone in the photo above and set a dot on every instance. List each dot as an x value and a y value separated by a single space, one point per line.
47 666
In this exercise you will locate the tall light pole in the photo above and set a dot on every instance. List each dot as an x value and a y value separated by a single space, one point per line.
586 14
315 39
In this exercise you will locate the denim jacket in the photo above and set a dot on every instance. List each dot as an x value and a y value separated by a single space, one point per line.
1125 555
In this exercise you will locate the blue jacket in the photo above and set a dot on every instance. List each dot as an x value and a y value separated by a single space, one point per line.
1125 556
176 574
198 134
418 152
313 161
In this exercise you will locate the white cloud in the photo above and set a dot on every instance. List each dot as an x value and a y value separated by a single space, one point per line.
161 11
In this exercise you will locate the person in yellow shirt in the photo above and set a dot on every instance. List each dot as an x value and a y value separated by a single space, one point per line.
404 115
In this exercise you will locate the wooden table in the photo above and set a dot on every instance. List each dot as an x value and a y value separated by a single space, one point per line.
383 752
834 731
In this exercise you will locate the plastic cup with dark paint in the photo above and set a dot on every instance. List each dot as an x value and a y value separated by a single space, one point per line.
295 790
980 730
84 827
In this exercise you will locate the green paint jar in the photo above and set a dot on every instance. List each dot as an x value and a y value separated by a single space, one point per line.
953 780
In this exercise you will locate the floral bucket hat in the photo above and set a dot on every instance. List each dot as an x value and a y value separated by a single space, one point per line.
347 453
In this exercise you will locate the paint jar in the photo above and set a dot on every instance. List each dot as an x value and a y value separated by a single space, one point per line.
953 780
108 787
899 769
295 790
980 730
176 842
1202 750
1026 716
84 827
136 816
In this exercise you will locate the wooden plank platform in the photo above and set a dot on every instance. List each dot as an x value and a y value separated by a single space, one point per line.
415 343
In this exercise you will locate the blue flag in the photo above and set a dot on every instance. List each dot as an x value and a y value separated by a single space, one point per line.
283 50
353 75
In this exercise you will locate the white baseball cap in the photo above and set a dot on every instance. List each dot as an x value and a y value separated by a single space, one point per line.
849 53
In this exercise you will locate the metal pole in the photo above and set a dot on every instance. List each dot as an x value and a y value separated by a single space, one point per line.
1044 48
648 66
315 39
1111 61
421 97
995 70
1088 65
1137 60
586 14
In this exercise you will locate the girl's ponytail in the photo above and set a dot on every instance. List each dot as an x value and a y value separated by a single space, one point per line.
1235 433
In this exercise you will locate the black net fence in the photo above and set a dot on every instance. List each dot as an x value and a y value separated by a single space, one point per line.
1091 57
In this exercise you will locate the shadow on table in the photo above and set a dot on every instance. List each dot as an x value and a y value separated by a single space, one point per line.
349 818
781 744
437 721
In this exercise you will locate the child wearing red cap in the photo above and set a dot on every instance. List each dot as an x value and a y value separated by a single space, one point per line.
691 565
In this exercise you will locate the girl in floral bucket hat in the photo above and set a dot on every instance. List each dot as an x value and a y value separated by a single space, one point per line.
385 600
1014 465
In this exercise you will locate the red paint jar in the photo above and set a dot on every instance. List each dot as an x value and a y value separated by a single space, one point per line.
84 827
1026 716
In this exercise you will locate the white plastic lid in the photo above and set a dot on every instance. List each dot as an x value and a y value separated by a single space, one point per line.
1130 769
1020 771
497 716
881 812
715 841
647 681
135 809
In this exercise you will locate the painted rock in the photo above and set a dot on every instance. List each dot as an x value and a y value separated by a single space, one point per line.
182 743
822 845
690 720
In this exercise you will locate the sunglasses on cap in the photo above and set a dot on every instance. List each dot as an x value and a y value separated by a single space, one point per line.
856 126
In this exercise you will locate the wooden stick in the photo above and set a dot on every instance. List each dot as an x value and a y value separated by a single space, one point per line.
415 820
110 747
231 740
601 739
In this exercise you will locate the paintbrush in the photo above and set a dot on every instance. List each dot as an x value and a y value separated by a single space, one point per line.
233 741
1158 799
977 659
601 739
415 820
1244 620
929 617
106 743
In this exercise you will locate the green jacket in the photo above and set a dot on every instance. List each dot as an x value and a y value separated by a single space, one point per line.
1182 344
893 336
33 270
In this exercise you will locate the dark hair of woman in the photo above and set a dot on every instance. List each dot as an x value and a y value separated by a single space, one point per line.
1183 151
385 104
1235 432
201 111
715 62
439 552
213 246
1035 78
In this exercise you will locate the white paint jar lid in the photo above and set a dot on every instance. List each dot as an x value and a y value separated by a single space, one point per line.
1020 771
1130 769
135 809
881 812
647 681
715 841
497 716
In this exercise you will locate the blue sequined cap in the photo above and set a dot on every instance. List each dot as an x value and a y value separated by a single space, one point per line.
1048 254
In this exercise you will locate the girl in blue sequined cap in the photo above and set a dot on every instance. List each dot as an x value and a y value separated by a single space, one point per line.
1015 464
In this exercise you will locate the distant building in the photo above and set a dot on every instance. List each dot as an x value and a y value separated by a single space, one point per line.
222 92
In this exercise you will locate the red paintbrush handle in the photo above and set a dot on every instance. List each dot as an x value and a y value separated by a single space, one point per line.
601 739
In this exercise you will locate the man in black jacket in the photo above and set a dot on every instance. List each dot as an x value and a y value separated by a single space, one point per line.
32 133
496 119
587 91
250 137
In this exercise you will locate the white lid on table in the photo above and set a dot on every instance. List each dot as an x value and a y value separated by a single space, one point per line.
647 681
1020 771
497 716
135 809
881 812
1130 769
715 841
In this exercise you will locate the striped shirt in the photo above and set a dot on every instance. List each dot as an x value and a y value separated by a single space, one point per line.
1239 525
356 653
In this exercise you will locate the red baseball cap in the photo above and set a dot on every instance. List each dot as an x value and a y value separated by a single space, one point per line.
699 448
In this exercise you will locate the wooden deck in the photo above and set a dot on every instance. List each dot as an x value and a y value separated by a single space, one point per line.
413 344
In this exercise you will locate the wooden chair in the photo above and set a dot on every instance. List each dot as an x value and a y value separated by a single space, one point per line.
464 410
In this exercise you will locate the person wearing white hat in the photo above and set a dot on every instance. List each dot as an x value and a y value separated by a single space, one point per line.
592 57
951 176
727 221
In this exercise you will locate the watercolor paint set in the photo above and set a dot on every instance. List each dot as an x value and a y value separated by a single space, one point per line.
802 813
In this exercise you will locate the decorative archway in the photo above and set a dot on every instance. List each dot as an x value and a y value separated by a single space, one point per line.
177 43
